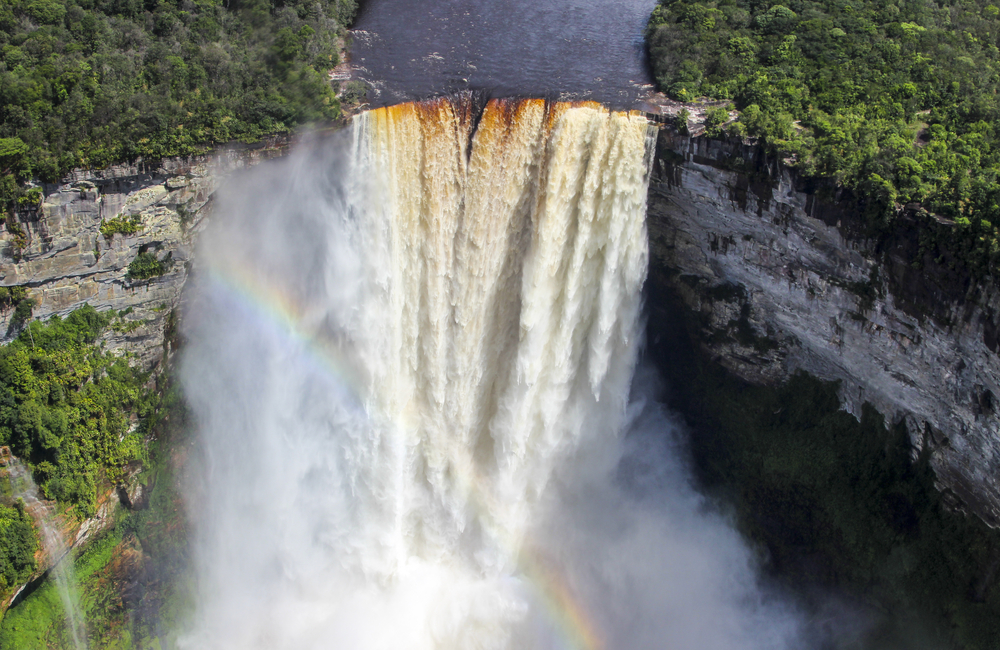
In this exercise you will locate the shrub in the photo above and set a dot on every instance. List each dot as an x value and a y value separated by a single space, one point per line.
122 225
145 266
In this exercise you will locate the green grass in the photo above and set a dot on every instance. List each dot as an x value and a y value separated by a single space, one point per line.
38 622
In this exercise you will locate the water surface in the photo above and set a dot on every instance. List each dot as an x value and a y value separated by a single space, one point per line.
558 49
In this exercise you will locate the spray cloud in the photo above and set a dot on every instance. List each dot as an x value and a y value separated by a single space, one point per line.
411 356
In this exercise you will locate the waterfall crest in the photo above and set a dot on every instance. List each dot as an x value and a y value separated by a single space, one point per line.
515 264
391 360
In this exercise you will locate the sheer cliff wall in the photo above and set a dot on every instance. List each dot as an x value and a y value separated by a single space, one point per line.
775 279
64 260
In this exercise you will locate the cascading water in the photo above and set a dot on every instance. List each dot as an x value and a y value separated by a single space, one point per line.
56 549
505 315
410 359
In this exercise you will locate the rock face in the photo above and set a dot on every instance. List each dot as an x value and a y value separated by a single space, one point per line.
64 260
777 283
776 279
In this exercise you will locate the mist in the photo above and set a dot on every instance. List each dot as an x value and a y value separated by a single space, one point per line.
413 363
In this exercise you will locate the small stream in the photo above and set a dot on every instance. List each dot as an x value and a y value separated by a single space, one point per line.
55 546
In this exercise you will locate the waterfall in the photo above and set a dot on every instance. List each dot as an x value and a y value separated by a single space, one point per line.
411 348
55 547
505 315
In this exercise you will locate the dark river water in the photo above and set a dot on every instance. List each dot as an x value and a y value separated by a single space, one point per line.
557 49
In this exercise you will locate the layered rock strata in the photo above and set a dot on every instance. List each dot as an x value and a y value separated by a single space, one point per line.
63 259
778 281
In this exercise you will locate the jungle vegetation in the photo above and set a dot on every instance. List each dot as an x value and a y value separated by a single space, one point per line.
895 100
74 413
135 582
18 544
87 83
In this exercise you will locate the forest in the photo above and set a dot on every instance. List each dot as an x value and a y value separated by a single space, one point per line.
895 101
95 82
75 414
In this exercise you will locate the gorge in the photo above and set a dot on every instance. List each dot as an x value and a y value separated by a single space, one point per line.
427 335
700 209
425 355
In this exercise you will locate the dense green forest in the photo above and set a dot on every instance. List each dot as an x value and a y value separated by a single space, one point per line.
895 100
65 407
135 582
92 82
75 414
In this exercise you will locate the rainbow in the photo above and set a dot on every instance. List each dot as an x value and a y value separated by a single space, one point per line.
275 311
589 167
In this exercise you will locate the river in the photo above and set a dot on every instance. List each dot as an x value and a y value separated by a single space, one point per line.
557 49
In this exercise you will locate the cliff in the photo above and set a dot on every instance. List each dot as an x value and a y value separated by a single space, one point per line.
63 260
776 277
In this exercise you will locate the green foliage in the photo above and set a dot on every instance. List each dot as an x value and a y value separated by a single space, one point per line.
895 101
18 544
30 198
19 240
353 92
681 121
46 12
16 297
126 603
91 83
40 621
12 151
65 407
838 503
121 224
146 266
22 314
715 117
10 296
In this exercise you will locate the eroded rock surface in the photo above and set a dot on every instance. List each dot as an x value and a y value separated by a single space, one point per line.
66 261
778 284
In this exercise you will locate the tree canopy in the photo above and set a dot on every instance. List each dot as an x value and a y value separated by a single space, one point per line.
66 407
895 100
92 82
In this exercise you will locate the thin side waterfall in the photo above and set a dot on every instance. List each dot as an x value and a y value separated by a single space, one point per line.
411 353
55 546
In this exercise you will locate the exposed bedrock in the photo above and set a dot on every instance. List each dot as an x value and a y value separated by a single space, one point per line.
777 280
774 278
64 260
